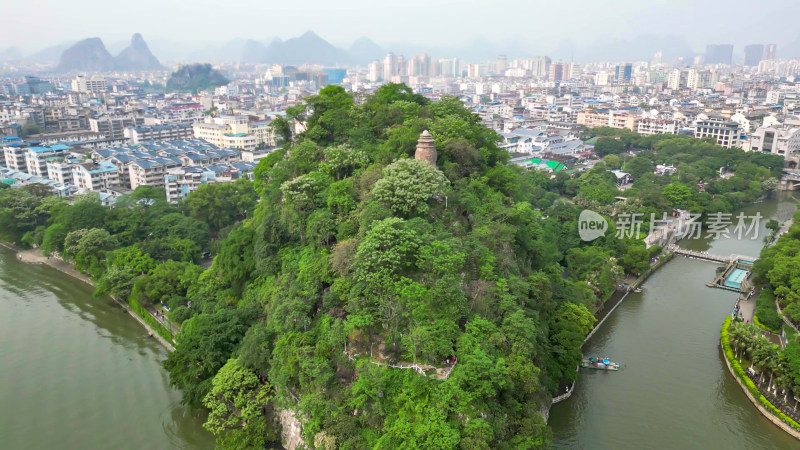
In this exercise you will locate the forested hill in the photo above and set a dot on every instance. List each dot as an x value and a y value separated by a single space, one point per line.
386 302
359 257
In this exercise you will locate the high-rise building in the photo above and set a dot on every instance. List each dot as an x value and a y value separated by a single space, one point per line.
601 78
426 65
575 70
658 57
414 66
502 64
753 54
698 79
676 79
541 66
558 71
375 71
769 51
389 66
623 72
402 66
719 54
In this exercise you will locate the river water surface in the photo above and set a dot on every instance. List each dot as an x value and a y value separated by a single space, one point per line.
673 390
78 372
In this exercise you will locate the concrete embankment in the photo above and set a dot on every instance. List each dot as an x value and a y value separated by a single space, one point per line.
604 314
35 256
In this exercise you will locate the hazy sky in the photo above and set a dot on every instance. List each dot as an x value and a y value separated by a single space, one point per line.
34 24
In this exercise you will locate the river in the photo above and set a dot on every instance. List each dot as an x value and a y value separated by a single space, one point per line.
78 372
673 390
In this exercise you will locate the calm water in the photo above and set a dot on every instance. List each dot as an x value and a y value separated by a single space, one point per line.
674 391
78 373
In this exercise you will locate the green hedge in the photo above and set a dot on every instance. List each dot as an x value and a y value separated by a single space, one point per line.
768 317
149 319
737 368
763 326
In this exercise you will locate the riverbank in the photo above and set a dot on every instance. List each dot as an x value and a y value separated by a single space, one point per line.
35 256
605 313
758 403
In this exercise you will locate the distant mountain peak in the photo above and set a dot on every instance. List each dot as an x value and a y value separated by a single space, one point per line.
364 50
137 56
137 40
86 55
306 48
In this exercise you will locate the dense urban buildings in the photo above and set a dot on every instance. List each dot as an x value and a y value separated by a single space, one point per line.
71 131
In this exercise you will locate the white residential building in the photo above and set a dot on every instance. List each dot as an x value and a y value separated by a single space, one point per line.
94 84
143 133
779 140
36 158
150 172
180 181
727 134
15 158
60 170
98 176
657 126
235 132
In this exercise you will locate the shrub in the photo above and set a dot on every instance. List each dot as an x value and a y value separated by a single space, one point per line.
737 369
767 315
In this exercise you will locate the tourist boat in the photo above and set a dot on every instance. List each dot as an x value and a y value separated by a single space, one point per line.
600 363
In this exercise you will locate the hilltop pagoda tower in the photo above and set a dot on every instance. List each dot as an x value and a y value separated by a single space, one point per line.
426 149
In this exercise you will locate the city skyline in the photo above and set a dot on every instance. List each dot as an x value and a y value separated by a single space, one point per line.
438 24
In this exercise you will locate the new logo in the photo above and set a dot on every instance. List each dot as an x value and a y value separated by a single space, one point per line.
591 225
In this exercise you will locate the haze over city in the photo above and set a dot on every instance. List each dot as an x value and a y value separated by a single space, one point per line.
580 29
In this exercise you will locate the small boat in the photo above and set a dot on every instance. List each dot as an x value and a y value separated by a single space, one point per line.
637 290
600 363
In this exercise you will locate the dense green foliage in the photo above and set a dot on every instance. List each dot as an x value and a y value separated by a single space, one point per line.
358 258
779 266
698 163
765 357
766 316
144 248
195 77
348 274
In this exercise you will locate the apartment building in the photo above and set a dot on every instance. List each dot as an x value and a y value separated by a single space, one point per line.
95 177
657 126
143 133
608 119
235 132
727 134
60 169
14 156
36 158
780 140
89 85
180 181
150 172
113 126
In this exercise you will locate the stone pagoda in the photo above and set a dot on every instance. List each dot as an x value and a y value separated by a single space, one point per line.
426 149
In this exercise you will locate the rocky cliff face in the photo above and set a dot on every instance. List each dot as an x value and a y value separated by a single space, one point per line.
137 56
291 430
87 55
